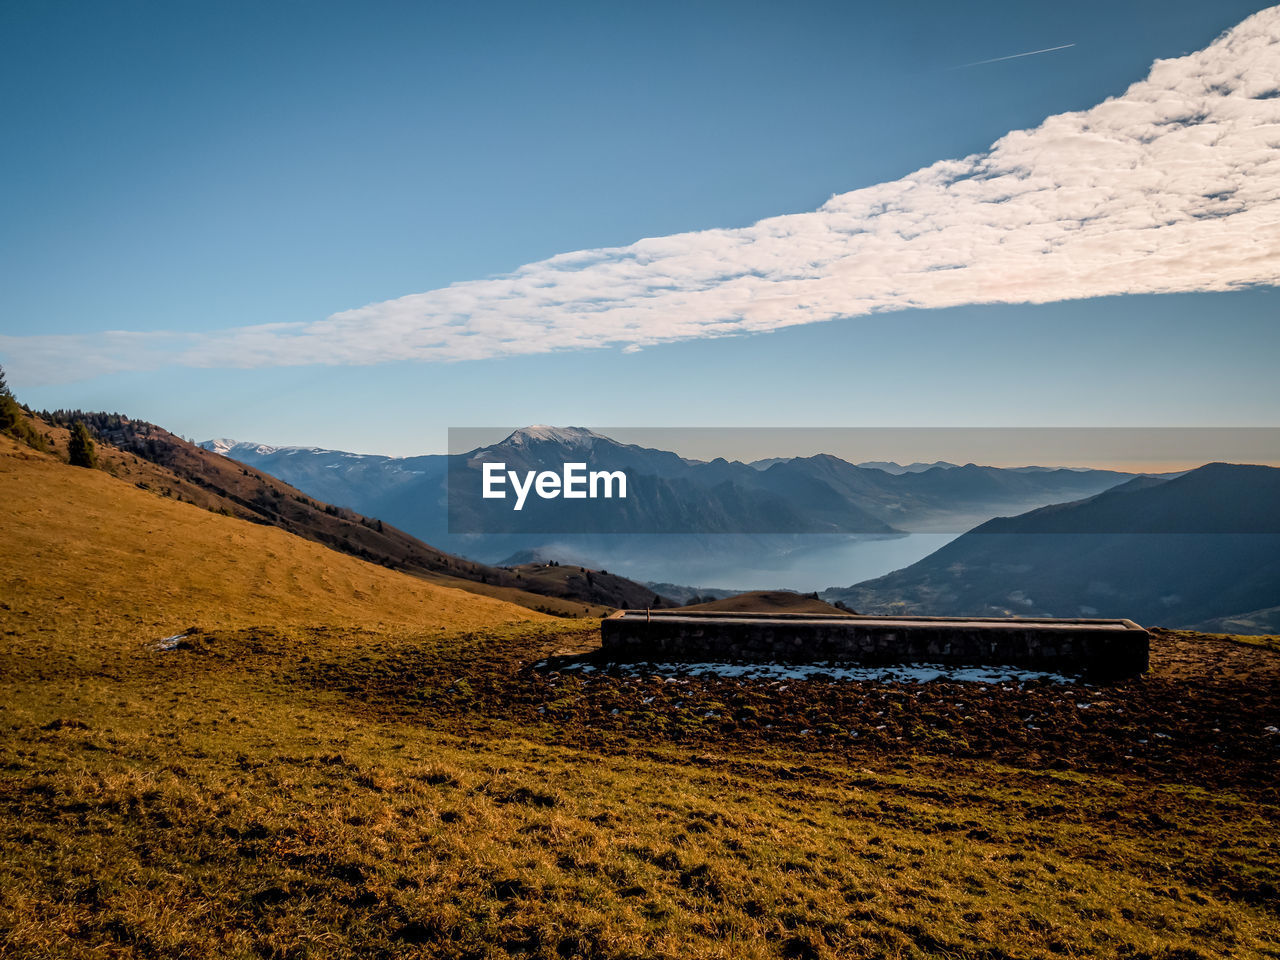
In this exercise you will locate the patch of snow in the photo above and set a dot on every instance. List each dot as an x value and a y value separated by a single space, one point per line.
891 673
226 447
572 436
170 643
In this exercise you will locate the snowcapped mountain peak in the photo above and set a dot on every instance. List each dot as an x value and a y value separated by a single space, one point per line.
566 436
226 447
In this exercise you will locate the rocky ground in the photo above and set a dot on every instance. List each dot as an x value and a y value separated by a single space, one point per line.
308 792
1207 712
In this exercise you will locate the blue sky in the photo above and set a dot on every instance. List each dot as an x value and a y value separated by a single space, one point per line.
198 167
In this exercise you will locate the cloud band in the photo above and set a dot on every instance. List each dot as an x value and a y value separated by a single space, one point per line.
1173 186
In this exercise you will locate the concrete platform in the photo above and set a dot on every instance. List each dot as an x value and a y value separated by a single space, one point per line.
1101 649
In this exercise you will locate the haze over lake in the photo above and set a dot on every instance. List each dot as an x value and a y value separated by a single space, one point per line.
806 563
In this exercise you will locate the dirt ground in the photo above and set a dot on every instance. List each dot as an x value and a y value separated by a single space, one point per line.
1207 712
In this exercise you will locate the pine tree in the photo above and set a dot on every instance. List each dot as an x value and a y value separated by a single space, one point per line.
12 420
10 412
81 447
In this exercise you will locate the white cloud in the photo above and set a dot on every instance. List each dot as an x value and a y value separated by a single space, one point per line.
1173 186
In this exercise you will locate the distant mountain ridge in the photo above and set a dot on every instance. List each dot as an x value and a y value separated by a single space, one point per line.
1179 549
674 494
1177 552
1218 498
888 466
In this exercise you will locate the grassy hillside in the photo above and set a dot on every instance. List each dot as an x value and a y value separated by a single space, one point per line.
598 587
82 544
350 762
1256 622
769 601
154 459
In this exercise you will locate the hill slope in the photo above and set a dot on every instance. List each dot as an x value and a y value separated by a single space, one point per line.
79 541
157 460
1177 552
407 792
769 601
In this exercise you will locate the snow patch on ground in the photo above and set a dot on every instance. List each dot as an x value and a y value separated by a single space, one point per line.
888 673
170 643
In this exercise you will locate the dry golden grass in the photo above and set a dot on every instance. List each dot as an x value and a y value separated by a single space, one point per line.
83 544
227 487
347 762
556 606
769 601
216 802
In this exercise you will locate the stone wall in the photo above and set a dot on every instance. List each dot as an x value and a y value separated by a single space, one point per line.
1104 649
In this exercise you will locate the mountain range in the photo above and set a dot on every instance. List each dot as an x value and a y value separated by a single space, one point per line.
1185 551
1179 549
437 497
1198 549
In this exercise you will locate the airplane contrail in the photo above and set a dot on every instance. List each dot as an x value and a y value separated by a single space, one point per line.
1014 56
